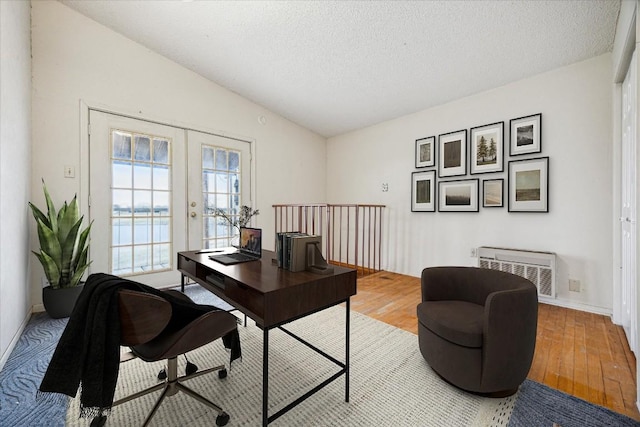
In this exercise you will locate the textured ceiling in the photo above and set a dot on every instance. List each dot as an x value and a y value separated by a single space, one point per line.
337 66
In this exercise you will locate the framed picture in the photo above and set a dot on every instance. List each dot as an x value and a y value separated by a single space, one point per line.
458 196
487 147
423 191
453 153
426 152
492 193
525 135
529 185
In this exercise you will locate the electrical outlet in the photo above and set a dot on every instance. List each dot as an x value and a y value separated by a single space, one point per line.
385 187
574 285
474 252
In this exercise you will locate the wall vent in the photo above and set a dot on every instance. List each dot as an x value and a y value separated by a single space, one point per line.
539 267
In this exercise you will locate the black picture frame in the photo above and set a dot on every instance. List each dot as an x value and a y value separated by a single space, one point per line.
452 158
493 193
486 148
529 185
426 152
525 135
423 191
458 195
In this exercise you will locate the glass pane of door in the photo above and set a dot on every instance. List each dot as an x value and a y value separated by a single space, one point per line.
221 195
141 216
137 198
219 185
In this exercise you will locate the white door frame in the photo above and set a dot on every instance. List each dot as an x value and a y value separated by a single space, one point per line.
87 106
625 32
626 299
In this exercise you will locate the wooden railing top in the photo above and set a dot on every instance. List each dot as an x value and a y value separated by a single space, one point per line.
302 205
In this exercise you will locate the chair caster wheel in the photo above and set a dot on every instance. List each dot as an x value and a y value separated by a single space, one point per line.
99 421
190 369
222 419
162 375
222 373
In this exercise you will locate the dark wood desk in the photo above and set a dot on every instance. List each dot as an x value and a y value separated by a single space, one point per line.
272 297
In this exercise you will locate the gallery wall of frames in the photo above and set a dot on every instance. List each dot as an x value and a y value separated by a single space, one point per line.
461 171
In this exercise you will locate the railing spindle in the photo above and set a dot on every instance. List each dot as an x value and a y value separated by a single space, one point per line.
355 229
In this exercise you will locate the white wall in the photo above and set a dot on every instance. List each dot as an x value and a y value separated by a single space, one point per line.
15 171
576 107
75 59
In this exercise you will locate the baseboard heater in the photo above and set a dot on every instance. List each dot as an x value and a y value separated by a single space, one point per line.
539 267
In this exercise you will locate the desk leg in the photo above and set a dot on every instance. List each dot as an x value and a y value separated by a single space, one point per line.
346 357
265 377
182 282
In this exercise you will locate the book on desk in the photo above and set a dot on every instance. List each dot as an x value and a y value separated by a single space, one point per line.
297 251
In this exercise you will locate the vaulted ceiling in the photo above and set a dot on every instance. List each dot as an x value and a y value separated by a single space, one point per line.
337 66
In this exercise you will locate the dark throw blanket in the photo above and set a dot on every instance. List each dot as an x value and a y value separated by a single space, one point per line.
88 353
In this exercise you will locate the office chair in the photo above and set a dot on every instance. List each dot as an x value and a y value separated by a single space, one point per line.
147 330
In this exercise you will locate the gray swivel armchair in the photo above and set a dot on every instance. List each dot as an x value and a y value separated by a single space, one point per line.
477 327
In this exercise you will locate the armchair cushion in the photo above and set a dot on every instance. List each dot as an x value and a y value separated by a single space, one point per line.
459 322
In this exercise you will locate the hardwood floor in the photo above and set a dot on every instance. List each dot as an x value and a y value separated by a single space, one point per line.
579 353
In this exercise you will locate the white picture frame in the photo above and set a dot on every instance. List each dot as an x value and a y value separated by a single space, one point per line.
426 152
458 195
487 148
525 135
423 191
452 157
529 185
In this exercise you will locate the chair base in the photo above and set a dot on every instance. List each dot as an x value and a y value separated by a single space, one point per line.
172 385
493 394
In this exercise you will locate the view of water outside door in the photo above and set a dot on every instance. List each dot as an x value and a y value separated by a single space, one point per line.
223 183
140 178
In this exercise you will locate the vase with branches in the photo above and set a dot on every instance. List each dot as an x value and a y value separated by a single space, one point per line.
240 220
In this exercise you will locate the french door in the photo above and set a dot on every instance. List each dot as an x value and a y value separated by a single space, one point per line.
628 216
153 190
219 178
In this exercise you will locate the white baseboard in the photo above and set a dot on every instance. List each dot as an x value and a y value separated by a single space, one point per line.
38 308
578 306
14 340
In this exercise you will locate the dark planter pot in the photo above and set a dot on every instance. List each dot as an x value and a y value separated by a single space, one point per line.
60 302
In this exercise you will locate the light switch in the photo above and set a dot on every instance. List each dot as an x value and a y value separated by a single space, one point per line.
69 172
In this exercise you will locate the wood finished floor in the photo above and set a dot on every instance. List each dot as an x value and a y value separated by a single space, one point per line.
579 353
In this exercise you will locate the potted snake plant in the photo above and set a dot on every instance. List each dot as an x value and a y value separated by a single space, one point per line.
64 248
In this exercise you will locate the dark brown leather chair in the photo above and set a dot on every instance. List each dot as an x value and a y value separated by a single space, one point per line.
145 328
477 327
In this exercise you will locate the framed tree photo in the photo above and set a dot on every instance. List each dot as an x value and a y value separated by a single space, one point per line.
492 193
458 196
487 147
525 135
529 185
452 147
423 191
426 152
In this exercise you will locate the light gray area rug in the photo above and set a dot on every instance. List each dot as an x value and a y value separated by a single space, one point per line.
390 382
